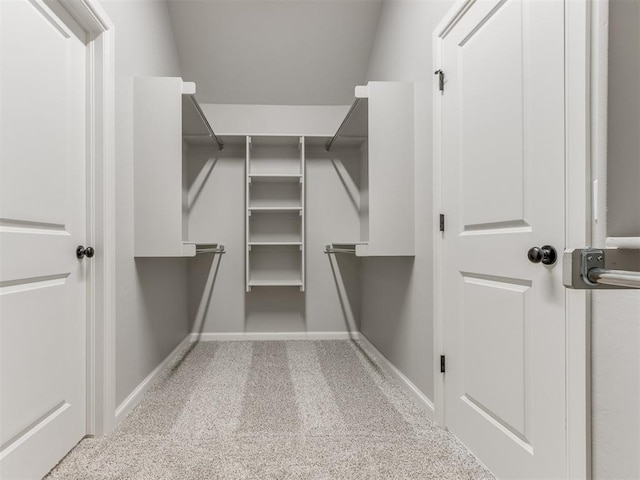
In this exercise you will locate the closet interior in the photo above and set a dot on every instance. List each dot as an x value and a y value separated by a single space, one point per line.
276 205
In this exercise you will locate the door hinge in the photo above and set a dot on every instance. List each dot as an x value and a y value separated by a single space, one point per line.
440 74
442 364
442 222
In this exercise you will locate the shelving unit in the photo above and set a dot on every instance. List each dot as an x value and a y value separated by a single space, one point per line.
167 118
381 123
275 196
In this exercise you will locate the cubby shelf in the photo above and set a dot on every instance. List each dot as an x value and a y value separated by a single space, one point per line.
275 244
275 209
275 283
275 196
275 178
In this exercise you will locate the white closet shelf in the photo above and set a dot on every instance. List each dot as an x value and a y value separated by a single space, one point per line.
275 283
382 118
275 178
275 244
182 249
166 117
275 209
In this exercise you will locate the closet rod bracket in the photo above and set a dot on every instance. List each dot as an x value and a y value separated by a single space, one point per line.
601 268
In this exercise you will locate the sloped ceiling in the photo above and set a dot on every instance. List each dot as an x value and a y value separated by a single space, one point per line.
285 52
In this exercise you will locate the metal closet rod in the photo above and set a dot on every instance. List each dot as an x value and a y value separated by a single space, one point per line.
220 249
584 268
206 122
619 278
330 249
343 124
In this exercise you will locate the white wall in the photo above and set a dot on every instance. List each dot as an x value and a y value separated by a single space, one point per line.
616 314
276 52
151 294
228 119
397 293
218 301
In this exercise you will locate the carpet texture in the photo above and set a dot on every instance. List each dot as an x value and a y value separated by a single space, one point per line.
274 410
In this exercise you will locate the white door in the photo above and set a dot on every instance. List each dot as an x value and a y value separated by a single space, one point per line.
503 161
42 220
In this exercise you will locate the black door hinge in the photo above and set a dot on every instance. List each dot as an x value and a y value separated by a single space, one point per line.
440 74
442 364
442 222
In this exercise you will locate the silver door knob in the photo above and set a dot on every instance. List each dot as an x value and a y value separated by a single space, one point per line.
546 255
82 252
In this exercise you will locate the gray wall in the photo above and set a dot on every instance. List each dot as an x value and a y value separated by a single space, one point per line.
151 294
397 293
624 119
616 314
217 298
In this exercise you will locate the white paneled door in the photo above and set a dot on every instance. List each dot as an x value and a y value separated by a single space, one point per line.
43 210
503 164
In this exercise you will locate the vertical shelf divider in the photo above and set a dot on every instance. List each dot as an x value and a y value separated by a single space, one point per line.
248 211
302 212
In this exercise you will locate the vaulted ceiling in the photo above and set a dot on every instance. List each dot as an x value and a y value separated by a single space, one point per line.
275 52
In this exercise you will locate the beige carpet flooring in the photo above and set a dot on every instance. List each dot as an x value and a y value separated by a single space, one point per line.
274 410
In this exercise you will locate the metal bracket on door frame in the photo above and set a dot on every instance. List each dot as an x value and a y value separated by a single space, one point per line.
601 268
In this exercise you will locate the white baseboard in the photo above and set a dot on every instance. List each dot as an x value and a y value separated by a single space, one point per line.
262 336
408 385
134 397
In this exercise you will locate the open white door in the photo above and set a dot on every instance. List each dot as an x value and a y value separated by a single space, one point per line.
503 192
43 212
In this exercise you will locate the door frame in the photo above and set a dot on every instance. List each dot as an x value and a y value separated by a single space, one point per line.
100 340
578 98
